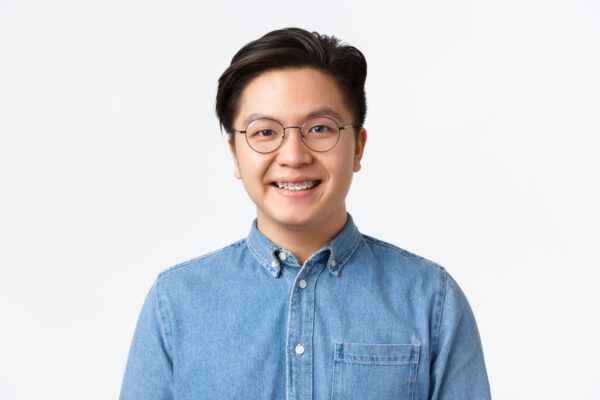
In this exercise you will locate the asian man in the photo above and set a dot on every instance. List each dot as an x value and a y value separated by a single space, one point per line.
305 307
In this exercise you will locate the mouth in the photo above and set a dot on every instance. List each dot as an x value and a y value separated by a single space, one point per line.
297 186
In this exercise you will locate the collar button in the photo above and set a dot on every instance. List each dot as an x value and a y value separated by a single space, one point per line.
282 256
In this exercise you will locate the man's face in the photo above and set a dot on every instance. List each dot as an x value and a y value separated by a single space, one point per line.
292 96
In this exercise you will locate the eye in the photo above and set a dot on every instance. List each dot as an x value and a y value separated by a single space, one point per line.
265 133
320 129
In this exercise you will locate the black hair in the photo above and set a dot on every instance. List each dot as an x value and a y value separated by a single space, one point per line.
294 48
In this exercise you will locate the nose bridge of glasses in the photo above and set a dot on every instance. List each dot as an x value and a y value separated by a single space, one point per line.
285 129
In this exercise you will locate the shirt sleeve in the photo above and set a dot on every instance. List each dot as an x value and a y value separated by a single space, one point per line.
458 368
149 370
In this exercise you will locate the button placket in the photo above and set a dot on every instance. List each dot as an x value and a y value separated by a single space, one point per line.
300 332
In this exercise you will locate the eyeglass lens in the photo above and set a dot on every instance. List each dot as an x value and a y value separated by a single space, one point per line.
319 134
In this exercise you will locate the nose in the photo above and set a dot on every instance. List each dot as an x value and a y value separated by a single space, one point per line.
293 152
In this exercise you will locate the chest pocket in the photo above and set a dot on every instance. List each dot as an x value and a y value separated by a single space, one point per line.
374 371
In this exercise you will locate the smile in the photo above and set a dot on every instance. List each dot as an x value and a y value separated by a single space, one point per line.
297 186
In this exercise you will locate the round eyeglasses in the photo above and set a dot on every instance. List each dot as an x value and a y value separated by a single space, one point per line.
265 135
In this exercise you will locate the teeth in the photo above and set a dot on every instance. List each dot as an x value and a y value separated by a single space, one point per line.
296 187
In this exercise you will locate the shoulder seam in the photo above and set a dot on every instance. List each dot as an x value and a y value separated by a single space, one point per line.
204 256
407 253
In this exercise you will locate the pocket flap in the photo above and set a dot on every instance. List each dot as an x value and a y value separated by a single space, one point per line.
364 353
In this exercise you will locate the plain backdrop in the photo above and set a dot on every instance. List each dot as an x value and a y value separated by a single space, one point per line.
482 155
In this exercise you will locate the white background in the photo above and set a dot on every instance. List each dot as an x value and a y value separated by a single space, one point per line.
482 155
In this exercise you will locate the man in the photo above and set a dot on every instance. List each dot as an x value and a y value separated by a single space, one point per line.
306 307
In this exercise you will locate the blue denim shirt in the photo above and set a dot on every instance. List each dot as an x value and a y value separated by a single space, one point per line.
361 319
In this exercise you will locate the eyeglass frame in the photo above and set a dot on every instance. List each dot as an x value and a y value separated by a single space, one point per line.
340 129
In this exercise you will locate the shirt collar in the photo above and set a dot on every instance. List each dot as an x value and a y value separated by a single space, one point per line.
337 252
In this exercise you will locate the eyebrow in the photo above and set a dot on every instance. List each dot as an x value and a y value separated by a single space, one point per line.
319 112
325 111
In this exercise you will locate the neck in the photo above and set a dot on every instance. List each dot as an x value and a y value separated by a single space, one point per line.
302 241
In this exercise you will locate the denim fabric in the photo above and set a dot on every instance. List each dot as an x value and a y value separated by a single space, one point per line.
361 319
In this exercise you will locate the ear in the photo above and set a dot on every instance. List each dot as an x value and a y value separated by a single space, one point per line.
360 148
236 172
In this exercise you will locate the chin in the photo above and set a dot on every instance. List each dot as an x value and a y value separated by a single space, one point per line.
295 220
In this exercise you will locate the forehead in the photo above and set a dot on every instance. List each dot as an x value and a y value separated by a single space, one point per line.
291 95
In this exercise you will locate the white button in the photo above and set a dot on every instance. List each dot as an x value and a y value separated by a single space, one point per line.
282 256
333 263
299 349
302 284
273 264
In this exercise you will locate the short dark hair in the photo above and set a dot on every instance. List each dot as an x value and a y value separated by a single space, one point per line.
294 48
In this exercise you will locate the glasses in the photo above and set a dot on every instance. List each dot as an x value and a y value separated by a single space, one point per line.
265 135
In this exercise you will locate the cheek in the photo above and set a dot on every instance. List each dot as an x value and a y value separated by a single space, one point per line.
341 170
344 160
251 167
